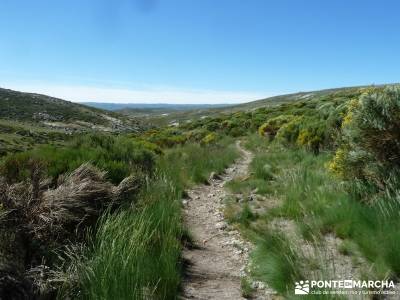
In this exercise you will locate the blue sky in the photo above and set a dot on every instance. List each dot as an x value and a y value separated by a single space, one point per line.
195 51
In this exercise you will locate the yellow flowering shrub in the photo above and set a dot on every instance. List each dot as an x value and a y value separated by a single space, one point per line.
352 106
289 132
209 139
272 126
338 164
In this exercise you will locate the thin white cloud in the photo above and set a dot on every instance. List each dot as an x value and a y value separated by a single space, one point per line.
80 93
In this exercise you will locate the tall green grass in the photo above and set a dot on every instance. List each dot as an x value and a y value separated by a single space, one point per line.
135 253
276 262
193 163
319 204
374 228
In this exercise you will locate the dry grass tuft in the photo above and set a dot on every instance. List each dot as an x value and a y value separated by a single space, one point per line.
80 197
38 213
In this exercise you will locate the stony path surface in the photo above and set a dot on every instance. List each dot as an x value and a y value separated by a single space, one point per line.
215 266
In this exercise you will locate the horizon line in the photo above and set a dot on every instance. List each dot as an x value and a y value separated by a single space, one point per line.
123 96
82 93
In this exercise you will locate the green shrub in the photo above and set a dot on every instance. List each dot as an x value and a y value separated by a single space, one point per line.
212 126
119 156
16 167
167 137
272 126
289 132
210 138
312 134
369 153
196 135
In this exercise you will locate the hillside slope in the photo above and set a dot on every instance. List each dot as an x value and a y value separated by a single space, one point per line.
28 119
60 114
162 117
286 98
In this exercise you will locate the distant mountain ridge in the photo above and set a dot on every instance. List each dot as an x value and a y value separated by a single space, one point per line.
150 106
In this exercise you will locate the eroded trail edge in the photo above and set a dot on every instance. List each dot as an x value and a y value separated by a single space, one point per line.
216 265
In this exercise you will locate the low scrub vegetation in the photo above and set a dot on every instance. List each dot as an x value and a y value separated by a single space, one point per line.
136 251
346 186
100 215
18 137
119 156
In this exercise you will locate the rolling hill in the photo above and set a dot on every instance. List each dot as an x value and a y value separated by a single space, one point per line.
56 113
28 119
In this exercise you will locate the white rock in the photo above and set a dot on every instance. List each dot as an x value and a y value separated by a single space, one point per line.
221 225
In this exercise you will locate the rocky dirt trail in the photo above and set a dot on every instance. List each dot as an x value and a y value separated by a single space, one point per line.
219 260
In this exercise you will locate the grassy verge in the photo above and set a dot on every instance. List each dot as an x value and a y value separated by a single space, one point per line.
135 253
319 205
